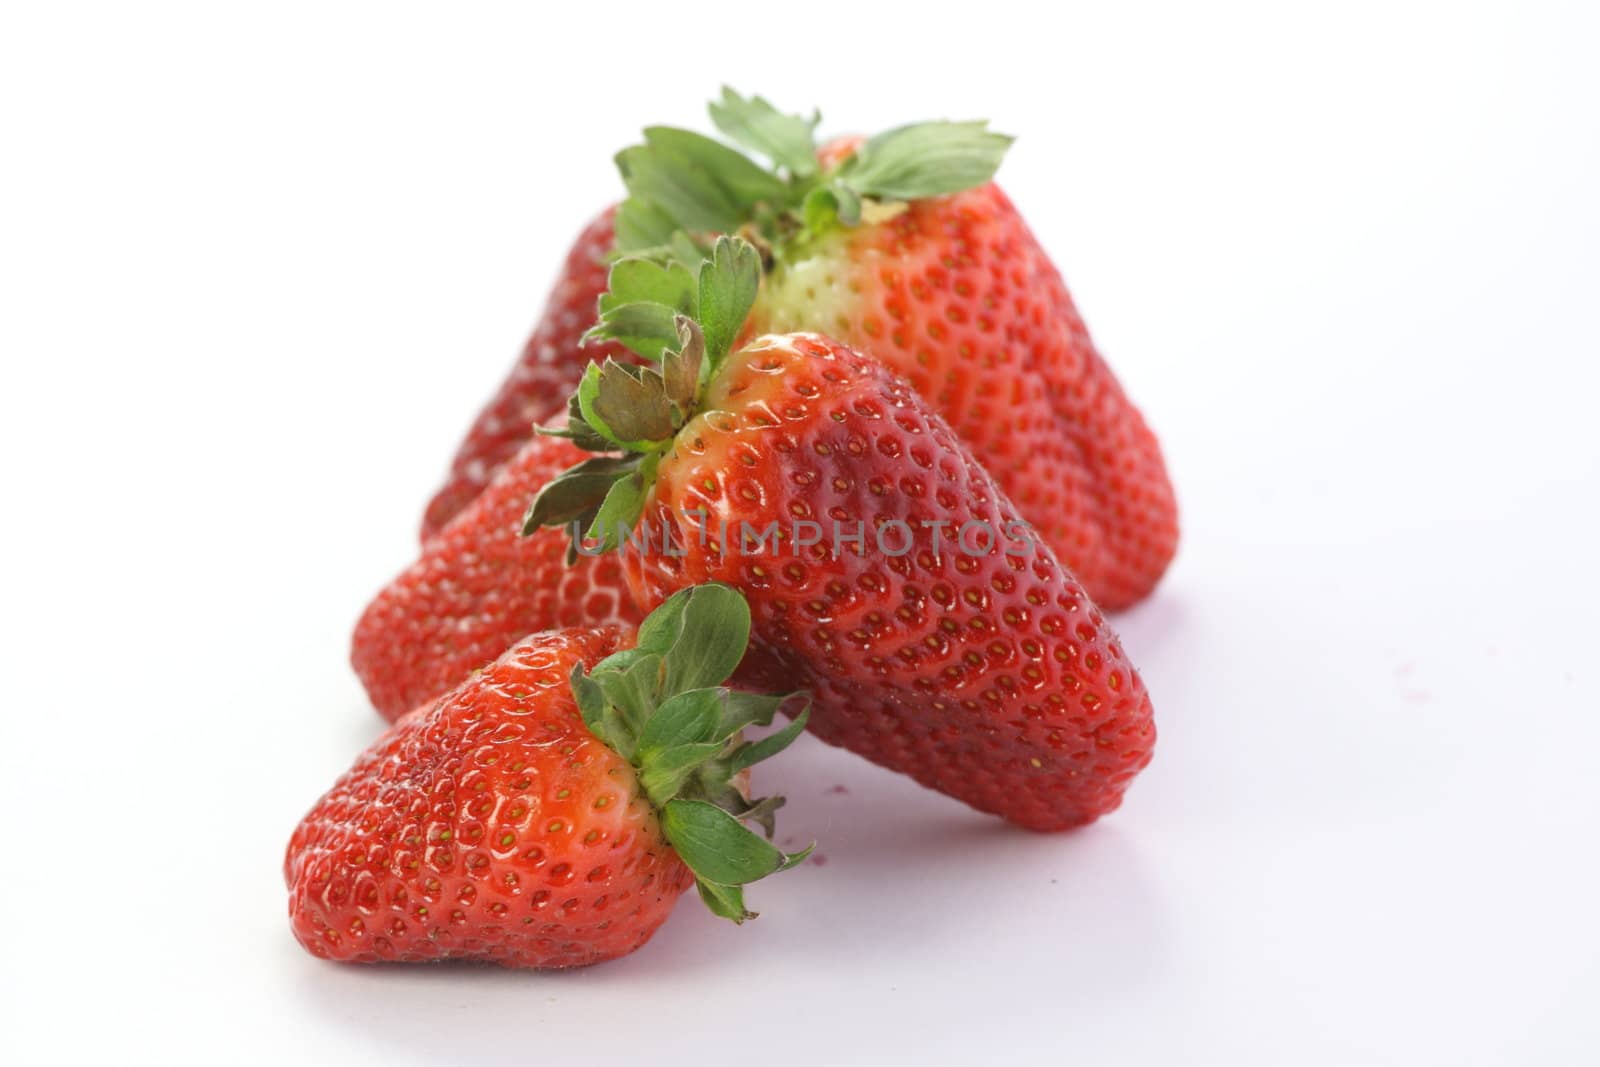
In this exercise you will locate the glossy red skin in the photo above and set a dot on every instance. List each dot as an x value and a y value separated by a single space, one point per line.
490 826
538 386
993 678
479 587
957 295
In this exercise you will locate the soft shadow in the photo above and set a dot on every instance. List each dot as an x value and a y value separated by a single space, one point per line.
904 881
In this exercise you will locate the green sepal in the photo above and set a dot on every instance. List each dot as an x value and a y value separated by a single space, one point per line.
592 704
643 300
641 223
689 717
926 159
701 184
661 706
741 181
684 188
663 772
681 368
742 709
753 753
789 141
792 860
624 658
645 329
700 633
685 321
714 629
626 405
641 280
633 691
728 284
660 629
763 813
576 494
725 901
717 847
623 504
577 430
829 205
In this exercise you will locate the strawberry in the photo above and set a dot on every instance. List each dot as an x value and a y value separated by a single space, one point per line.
538 385
887 571
478 588
549 811
900 246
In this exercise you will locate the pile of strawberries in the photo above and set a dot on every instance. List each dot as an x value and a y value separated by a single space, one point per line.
819 440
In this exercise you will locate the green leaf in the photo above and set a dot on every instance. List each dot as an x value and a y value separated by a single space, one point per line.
591 700
745 182
660 707
588 389
741 709
621 508
927 159
828 204
680 369
666 187
636 280
847 204
634 690
795 859
714 630
622 659
685 718
627 404
753 753
664 771
725 901
577 430
729 282
715 845
642 328
642 224
600 715
701 185
788 140
660 629
576 492
686 250
762 813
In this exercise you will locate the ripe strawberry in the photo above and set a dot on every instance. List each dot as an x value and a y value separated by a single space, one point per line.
936 638
478 588
549 811
538 385
901 247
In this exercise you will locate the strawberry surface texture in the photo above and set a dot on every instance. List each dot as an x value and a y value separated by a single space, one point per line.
887 571
549 810
536 389
478 587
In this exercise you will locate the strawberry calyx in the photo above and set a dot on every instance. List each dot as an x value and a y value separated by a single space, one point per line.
663 707
683 320
683 186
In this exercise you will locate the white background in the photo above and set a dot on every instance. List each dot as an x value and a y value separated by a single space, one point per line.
257 270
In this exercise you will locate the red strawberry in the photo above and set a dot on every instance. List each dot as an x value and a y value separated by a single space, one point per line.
937 638
896 246
899 246
542 816
956 295
478 588
538 385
